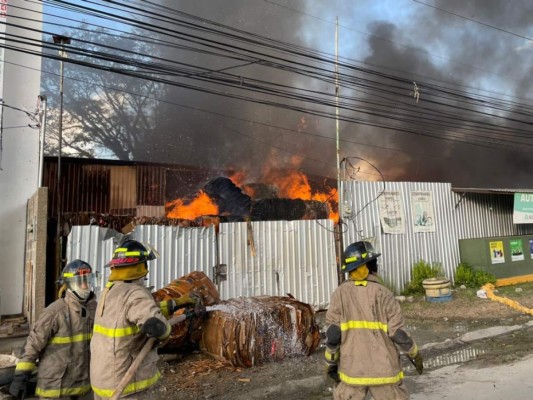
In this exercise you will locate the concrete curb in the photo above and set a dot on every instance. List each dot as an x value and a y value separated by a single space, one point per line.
480 334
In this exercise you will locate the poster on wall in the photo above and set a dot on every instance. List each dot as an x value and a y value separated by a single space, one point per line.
391 212
517 252
422 211
496 252
531 248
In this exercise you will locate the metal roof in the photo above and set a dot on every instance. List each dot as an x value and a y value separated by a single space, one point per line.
491 190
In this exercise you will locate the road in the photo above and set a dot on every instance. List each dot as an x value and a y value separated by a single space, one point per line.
470 381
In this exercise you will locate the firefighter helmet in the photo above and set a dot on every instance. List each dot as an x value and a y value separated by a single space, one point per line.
129 261
357 254
78 277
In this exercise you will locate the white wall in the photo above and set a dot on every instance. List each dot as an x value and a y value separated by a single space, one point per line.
20 154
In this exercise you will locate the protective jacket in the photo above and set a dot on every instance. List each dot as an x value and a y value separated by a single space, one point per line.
368 316
60 341
117 339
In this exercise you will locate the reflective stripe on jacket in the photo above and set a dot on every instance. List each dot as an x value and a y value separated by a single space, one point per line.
368 315
117 340
60 340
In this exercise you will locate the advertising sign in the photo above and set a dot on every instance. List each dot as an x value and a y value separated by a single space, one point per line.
391 212
517 252
523 208
422 211
496 252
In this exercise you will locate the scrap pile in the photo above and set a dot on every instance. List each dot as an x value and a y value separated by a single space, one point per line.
244 331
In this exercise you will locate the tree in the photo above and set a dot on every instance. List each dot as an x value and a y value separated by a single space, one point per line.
105 114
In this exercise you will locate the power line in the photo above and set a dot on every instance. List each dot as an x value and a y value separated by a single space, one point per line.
254 88
473 20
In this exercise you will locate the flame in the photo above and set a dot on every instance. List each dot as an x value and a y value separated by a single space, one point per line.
200 205
292 185
295 185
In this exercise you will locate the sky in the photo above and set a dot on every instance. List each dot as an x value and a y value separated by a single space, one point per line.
429 90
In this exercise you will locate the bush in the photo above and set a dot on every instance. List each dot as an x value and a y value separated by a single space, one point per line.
422 270
466 275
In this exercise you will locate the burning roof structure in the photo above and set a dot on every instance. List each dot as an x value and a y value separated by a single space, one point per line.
243 331
221 197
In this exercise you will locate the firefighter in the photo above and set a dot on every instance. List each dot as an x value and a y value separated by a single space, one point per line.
60 341
365 324
126 315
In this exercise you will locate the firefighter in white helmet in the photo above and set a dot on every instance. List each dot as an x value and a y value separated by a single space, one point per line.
365 324
126 315
59 341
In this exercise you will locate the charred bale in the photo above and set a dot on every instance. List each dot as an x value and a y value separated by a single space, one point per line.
229 198
254 330
258 191
278 209
187 335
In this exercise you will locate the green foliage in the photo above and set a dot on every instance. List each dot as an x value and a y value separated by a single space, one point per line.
422 270
466 275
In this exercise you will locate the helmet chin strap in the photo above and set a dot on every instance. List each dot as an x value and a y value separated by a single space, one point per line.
80 298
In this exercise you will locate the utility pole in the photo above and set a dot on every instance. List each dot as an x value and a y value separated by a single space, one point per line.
62 41
338 235
337 110
42 135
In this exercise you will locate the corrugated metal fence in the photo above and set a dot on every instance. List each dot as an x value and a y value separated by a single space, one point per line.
271 258
182 250
401 251
457 216
299 257
296 257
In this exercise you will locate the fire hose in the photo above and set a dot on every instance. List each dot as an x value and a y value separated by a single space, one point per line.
150 343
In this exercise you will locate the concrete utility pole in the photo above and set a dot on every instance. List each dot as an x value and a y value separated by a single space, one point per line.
61 40
42 136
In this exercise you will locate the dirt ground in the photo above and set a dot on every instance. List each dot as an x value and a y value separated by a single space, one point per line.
197 376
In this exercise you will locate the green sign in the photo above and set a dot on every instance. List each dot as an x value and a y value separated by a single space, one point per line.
523 208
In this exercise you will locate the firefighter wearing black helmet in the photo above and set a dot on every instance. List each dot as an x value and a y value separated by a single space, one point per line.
365 326
126 315
59 341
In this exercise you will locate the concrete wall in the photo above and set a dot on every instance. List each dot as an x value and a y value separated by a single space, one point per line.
20 154
35 270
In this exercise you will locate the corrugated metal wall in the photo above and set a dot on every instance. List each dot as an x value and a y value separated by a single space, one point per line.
457 216
481 215
401 251
181 250
296 257
105 189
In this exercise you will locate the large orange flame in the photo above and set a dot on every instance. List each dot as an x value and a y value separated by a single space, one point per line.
295 185
199 206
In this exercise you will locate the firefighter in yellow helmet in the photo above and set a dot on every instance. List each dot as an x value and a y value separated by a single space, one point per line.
365 327
126 315
59 341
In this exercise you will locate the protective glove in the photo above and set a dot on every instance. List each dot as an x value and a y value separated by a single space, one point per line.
332 372
20 384
418 362
416 359
155 328
185 300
